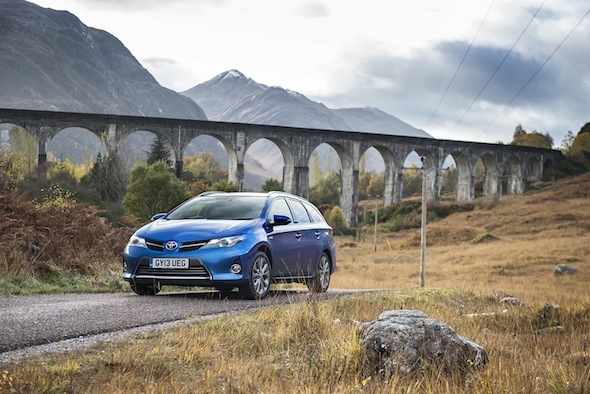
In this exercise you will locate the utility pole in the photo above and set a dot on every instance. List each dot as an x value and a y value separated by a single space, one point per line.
376 198
423 228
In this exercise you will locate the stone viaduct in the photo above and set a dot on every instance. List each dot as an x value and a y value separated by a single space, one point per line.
507 166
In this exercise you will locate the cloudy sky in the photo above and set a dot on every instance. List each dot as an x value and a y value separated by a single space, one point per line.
459 69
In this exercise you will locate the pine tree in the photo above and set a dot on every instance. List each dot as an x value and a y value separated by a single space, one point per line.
108 178
159 152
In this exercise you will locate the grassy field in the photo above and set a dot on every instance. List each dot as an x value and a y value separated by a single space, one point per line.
473 260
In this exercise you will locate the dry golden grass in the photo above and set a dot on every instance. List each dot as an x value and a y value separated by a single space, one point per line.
313 347
530 236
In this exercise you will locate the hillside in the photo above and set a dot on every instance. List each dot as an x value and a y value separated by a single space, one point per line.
512 246
52 61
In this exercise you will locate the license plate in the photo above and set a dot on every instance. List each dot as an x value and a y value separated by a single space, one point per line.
169 263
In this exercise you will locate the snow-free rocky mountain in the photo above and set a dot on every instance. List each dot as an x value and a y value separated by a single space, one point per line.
52 61
233 97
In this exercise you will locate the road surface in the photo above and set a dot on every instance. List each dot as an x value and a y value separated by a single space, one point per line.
27 321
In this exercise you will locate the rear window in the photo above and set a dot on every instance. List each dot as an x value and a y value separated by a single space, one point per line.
315 215
299 211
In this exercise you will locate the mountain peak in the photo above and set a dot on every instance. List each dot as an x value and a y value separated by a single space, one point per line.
233 73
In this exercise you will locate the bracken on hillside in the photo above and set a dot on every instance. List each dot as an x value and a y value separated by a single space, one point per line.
60 233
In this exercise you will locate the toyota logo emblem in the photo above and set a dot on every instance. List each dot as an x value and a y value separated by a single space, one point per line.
171 245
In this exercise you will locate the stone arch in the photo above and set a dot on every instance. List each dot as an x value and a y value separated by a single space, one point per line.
78 144
131 143
228 161
512 180
532 171
28 145
203 144
277 159
426 165
372 168
348 180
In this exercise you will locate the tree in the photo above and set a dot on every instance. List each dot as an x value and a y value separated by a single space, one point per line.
107 177
376 185
206 167
159 151
335 218
153 189
518 131
315 170
9 176
272 184
23 148
224 186
364 180
566 143
412 179
534 139
449 179
580 150
326 191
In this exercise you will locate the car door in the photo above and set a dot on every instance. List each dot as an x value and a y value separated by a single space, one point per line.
308 243
282 240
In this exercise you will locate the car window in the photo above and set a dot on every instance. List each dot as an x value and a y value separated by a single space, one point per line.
220 208
315 215
279 207
299 212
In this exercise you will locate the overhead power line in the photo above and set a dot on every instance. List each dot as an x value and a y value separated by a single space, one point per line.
498 67
460 64
537 71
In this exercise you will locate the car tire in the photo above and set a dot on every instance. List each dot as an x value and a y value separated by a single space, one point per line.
321 280
259 281
142 289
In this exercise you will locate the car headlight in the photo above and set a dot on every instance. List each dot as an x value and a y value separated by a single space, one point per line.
226 242
136 241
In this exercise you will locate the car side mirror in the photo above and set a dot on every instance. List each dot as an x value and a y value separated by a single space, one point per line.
158 216
281 220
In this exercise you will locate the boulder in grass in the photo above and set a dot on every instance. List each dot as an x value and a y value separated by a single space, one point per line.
563 269
409 342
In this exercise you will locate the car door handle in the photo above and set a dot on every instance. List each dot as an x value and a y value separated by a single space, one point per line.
298 236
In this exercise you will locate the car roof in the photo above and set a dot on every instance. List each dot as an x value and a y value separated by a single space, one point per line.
252 194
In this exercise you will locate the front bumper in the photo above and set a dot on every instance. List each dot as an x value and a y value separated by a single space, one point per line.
207 267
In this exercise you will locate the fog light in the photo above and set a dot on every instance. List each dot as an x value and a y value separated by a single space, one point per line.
235 268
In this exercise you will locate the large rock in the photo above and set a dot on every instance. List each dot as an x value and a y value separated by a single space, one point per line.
409 342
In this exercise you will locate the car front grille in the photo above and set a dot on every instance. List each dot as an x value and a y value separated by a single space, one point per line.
196 270
184 247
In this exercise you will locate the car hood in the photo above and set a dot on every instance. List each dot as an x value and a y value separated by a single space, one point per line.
193 229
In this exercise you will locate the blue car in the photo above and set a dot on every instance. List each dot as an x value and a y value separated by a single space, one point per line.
229 240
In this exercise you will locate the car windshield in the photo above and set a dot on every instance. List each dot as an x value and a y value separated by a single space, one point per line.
220 208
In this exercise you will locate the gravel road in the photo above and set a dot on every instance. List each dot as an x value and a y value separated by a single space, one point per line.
26 321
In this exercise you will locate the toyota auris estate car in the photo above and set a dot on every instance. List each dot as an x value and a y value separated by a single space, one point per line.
233 240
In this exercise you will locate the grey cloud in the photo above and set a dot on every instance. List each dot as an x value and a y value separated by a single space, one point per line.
411 87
